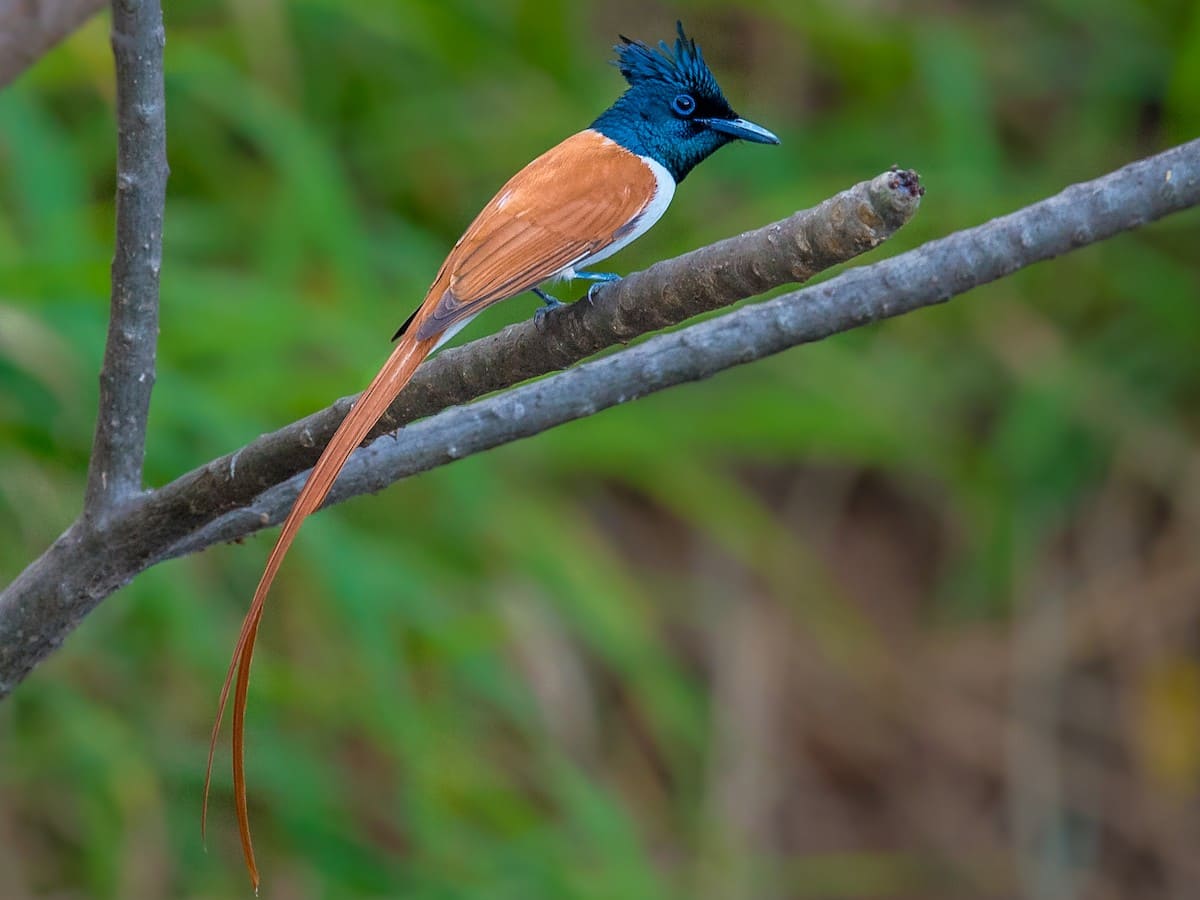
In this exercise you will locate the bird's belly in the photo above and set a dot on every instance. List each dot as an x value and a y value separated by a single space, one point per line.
451 331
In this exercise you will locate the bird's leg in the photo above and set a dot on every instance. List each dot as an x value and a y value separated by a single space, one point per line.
549 302
597 279
598 276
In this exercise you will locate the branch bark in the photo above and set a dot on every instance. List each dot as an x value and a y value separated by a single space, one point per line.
96 556
785 252
1082 214
28 28
206 506
127 374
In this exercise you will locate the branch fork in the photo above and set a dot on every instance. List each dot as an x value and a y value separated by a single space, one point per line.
442 418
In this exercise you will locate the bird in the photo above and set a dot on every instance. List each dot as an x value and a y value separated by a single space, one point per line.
577 204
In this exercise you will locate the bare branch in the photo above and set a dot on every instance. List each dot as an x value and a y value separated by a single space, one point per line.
29 29
127 375
933 273
94 558
788 251
88 563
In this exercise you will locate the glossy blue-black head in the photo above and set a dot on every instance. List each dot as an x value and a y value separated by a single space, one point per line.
674 111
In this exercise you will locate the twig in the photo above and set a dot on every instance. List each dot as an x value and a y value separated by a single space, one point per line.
86 565
127 375
29 29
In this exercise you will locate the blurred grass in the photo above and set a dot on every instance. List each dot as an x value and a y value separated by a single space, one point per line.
501 679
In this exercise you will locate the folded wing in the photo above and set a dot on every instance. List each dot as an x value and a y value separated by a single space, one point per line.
564 207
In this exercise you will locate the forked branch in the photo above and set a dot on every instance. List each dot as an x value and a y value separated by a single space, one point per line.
241 493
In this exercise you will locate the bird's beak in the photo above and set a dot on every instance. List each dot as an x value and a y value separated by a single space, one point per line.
741 129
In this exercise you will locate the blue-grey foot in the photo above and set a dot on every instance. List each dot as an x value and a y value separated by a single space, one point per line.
549 302
598 279
598 276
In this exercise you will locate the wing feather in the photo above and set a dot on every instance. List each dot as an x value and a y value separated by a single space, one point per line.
565 206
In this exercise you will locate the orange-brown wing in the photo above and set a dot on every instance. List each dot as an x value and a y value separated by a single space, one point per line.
569 203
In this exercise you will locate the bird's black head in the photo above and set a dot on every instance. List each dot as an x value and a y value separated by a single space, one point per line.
674 111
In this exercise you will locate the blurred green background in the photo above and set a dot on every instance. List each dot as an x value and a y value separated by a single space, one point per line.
914 612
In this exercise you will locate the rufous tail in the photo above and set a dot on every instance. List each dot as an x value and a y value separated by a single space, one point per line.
409 353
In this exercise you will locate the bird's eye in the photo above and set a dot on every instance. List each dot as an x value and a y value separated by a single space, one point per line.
684 104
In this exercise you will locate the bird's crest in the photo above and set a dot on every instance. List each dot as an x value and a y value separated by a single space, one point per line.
683 68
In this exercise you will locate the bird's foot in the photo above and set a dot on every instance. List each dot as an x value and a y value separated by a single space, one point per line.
598 279
549 304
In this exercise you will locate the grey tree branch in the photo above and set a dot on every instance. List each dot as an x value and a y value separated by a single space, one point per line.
95 557
28 28
791 250
88 563
127 374
933 273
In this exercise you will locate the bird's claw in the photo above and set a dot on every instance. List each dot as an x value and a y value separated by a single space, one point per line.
539 314
598 279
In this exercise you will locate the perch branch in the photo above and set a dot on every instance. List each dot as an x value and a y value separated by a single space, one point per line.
94 558
932 273
785 252
87 564
127 374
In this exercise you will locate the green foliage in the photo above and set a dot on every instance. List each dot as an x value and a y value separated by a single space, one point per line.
503 678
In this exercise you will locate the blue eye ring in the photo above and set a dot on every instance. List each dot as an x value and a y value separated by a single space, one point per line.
684 104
